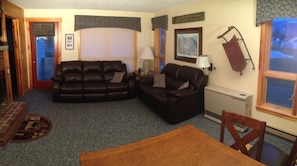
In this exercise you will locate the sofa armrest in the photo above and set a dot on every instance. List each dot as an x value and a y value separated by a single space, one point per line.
56 87
129 76
182 93
57 78
131 79
148 79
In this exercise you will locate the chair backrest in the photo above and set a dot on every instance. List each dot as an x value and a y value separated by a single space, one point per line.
256 132
293 154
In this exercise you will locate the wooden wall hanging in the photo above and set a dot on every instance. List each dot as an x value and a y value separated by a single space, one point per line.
234 52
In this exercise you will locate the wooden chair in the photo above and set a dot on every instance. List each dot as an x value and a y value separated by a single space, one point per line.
293 154
274 156
256 132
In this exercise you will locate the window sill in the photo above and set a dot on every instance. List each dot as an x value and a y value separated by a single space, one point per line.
279 112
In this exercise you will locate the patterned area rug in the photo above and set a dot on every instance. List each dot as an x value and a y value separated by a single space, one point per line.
33 127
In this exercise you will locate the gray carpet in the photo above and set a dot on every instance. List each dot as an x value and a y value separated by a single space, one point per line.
84 127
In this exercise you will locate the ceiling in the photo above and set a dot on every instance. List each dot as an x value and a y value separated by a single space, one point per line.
118 5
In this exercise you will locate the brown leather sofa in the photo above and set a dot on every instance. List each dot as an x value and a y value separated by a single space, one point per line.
181 98
90 81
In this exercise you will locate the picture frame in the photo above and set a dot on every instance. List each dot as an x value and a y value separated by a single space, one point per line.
188 44
69 41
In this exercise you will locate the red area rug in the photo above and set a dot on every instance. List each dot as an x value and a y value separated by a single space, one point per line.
33 127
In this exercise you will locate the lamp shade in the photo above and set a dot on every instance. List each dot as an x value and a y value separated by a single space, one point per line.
146 53
202 61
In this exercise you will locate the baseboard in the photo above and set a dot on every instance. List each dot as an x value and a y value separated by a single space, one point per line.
268 129
237 127
212 118
280 133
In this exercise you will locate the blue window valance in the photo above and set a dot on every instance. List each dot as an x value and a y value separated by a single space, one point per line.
160 22
83 21
269 9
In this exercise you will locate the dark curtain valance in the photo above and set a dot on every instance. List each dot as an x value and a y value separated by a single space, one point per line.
269 9
82 22
43 29
160 22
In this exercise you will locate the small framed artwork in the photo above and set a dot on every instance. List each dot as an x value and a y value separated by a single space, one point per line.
69 41
188 44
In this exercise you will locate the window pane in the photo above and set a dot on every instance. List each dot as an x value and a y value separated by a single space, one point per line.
45 57
162 38
283 53
162 64
279 92
108 44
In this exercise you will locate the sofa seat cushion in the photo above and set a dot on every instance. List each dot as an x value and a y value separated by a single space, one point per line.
117 87
148 89
159 94
72 88
95 87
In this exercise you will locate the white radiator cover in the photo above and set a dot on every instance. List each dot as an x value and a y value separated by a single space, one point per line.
218 98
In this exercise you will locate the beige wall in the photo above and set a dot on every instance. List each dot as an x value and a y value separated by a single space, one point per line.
219 15
145 37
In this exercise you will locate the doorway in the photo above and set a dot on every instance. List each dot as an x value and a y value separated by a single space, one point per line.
11 52
44 51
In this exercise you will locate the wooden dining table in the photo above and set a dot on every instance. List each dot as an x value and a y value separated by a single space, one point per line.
186 145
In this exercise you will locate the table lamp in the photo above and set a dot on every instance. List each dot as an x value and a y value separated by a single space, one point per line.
147 56
202 62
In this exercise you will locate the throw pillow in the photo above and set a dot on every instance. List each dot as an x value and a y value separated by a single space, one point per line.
184 85
159 81
117 77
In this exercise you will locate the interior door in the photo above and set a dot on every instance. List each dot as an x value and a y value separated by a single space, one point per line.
44 51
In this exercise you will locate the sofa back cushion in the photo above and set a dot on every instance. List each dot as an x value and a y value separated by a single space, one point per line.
110 67
92 71
193 75
170 70
177 76
71 71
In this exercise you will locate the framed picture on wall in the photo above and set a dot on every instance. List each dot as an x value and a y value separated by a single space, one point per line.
188 44
69 41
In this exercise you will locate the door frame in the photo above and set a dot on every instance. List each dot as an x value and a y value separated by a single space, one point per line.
17 56
57 58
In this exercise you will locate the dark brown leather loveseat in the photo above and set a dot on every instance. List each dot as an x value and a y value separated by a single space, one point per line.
89 81
182 96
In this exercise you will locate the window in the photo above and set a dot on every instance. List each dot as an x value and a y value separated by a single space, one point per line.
278 68
160 49
108 44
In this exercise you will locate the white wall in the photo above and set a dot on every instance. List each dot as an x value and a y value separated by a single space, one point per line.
219 15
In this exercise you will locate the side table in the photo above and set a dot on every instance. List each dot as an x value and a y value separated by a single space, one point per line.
139 76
